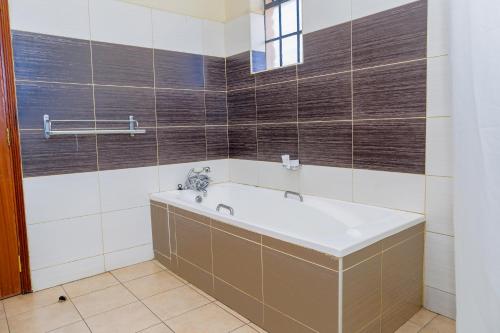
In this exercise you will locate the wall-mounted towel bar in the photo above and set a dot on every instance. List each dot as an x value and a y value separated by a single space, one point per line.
133 127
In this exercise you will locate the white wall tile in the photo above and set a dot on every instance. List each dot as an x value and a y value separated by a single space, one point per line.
237 35
173 174
118 22
75 270
51 198
128 257
390 189
273 175
328 182
213 39
124 229
177 32
439 205
439 147
321 14
244 171
54 243
67 18
440 302
438 25
438 87
440 262
127 188
362 8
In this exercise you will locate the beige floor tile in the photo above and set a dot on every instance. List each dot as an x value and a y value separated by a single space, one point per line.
199 291
153 284
257 328
440 324
136 271
244 329
129 318
23 303
4 328
175 302
91 284
423 317
207 319
79 327
409 327
161 328
159 264
2 311
103 300
231 311
44 319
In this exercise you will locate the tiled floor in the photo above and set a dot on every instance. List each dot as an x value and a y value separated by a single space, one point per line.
143 298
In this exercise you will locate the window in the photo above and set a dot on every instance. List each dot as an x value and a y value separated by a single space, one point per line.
283 32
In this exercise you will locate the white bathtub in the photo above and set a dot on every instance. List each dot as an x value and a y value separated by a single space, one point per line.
330 226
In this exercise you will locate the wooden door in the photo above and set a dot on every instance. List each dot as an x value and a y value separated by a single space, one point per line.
14 260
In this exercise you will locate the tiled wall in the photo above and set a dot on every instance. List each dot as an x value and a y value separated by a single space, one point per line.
367 113
87 196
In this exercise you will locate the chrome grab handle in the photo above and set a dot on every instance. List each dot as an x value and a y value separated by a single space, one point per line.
229 208
294 193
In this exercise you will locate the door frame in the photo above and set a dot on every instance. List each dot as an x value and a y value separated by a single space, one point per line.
10 96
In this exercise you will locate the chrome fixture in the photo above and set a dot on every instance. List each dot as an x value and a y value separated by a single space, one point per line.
297 194
197 180
290 164
198 199
133 127
229 208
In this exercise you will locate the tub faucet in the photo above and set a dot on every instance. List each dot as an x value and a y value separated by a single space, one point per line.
197 180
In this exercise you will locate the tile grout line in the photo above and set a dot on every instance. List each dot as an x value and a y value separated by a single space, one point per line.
81 316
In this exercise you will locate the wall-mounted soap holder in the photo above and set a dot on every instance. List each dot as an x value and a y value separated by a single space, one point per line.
289 164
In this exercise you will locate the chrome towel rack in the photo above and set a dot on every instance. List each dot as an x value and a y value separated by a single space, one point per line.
133 127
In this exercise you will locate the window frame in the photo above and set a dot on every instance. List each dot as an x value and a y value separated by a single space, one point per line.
280 37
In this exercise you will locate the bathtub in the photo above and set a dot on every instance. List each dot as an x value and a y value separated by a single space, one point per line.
331 226
319 265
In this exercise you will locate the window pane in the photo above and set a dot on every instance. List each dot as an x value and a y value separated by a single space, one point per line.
289 17
299 3
272 23
290 50
273 54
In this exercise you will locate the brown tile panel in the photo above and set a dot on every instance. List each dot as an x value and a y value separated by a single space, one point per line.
178 70
180 107
361 294
395 35
373 327
41 57
241 107
395 91
124 151
215 73
276 75
190 215
237 231
160 230
390 145
216 108
402 286
277 103
238 71
237 262
275 321
118 103
173 237
169 263
243 142
181 145
319 258
361 255
327 51
302 290
217 144
196 276
245 305
327 144
194 242
401 236
57 155
276 140
59 101
122 65
325 98
158 203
